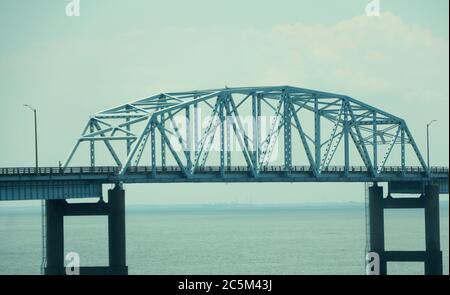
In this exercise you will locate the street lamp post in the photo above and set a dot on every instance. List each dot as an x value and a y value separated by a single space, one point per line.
35 135
428 142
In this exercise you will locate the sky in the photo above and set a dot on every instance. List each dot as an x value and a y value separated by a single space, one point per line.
119 51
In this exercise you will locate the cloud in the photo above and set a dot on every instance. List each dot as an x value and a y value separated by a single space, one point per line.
376 56
382 59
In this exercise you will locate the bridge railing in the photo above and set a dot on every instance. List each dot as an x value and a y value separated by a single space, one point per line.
114 170
57 170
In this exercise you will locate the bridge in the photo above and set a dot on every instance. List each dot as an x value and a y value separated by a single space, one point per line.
247 134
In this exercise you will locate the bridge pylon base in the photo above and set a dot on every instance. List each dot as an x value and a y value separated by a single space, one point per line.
54 233
429 201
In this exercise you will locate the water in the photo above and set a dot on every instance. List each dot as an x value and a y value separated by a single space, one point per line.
223 239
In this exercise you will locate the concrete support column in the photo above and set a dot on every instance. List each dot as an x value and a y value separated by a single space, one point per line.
376 225
433 260
116 231
54 233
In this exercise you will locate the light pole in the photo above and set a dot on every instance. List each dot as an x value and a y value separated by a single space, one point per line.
428 142
35 135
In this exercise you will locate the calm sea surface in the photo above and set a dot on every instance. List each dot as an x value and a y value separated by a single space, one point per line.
224 239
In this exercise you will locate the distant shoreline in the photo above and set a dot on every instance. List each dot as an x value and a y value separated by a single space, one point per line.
218 206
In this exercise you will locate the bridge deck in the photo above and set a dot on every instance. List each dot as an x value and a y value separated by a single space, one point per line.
144 174
85 182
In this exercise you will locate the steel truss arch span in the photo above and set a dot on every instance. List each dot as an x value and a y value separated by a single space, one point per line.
298 115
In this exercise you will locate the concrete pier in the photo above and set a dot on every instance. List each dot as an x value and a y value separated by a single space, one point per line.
433 262
429 201
54 232
376 225
116 231
54 236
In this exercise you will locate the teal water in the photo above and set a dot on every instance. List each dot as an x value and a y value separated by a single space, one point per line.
224 239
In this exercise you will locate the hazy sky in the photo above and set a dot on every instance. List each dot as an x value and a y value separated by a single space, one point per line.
117 51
